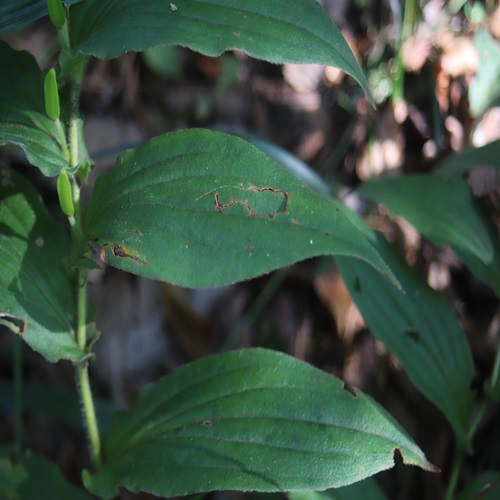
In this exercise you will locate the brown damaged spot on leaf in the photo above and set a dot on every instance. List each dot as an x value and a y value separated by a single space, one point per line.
132 231
221 207
14 323
120 252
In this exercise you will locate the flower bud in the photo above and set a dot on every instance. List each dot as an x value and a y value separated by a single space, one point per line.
65 193
56 13
51 93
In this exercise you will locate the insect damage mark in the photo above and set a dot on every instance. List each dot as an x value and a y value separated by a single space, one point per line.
14 323
120 252
252 204
132 231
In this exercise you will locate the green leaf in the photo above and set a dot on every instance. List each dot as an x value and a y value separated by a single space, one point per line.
248 420
199 208
484 91
32 476
17 13
367 488
36 291
484 486
11 475
23 120
458 164
420 329
488 273
442 210
272 30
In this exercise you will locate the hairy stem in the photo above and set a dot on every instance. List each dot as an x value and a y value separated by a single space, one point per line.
77 67
89 413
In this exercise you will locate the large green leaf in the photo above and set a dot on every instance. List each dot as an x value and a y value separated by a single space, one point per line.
442 210
419 328
17 13
273 30
31 476
23 120
248 420
36 291
200 208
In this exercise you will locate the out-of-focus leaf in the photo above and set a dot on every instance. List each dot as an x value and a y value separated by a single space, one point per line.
15 14
59 404
36 291
200 208
458 164
442 210
265 29
248 420
11 475
293 164
488 273
419 328
23 120
485 486
164 60
367 489
484 90
33 476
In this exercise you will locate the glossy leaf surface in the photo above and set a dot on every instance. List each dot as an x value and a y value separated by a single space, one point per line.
36 292
420 329
266 29
442 210
199 208
23 120
248 420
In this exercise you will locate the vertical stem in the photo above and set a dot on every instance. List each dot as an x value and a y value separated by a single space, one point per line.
452 484
89 412
82 370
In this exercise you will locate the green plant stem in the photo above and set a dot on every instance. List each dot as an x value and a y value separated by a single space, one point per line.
18 393
455 471
89 413
459 456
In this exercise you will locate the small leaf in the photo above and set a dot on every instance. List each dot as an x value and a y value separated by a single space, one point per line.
200 208
271 30
36 290
420 329
23 120
442 210
248 420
